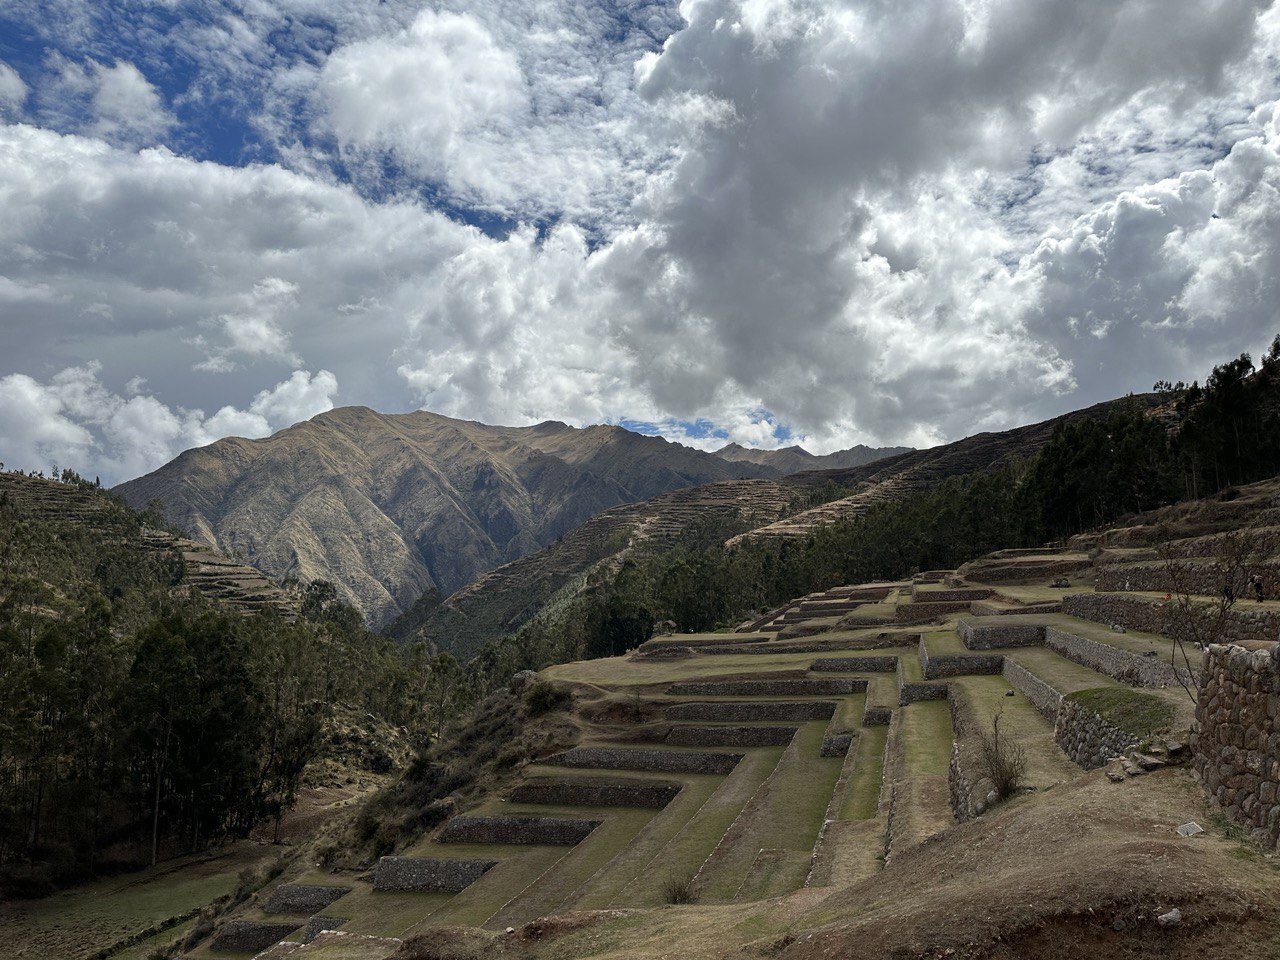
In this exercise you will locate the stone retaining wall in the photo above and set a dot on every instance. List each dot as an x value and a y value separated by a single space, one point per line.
663 761
914 692
250 936
856 664
423 875
318 925
747 712
730 736
918 612
1243 623
1088 739
1041 696
302 898
563 792
960 595
1121 664
836 744
553 831
956 664
769 688
877 716
989 636
1236 740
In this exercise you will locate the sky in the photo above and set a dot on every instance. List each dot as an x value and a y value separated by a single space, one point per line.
765 221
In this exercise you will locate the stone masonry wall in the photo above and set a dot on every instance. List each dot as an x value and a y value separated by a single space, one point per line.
769 688
987 636
562 792
663 761
557 831
1041 696
746 712
1235 743
423 875
855 664
304 899
1123 666
730 736
1243 622
1088 739
251 936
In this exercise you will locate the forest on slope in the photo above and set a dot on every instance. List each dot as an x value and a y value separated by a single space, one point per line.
138 717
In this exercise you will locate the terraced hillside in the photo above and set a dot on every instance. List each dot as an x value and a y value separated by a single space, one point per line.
814 785
202 568
503 599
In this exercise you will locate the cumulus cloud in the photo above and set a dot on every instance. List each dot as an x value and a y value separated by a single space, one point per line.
116 103
831 223
73 420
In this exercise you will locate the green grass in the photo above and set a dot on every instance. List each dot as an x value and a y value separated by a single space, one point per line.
516 870
864 787
1020 722
1136 712
944 642
784 818
685 853
83 920
848 715
926 738
614 877
619 826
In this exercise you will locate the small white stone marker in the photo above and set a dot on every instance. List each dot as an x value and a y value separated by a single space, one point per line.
1190 829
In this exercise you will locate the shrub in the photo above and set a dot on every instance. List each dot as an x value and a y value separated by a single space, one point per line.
1001 761
543 697
678 890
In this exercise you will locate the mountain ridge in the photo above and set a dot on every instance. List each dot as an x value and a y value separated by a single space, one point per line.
393 506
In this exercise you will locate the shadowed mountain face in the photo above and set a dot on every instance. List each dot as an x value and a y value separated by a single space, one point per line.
795 459
392 506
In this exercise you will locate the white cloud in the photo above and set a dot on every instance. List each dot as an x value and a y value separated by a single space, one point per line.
13 92
75 421
116 103
877 223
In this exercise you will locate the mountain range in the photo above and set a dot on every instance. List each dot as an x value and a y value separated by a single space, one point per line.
391 507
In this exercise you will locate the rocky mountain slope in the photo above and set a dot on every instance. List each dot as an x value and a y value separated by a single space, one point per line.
500 601
393 506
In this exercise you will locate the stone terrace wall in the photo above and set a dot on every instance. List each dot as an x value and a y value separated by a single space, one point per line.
302 898
957 664
988 636
855 664
663 761
768 688
916 612
1088 739
914 692
1236 740
559 791
555 831
961 595
877 716
1122 665
730 736
318 925
1041 696
1243 624
251 936
747 712
422 875
836 744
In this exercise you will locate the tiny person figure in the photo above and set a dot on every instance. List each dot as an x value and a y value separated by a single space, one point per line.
1228 593
1256 580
